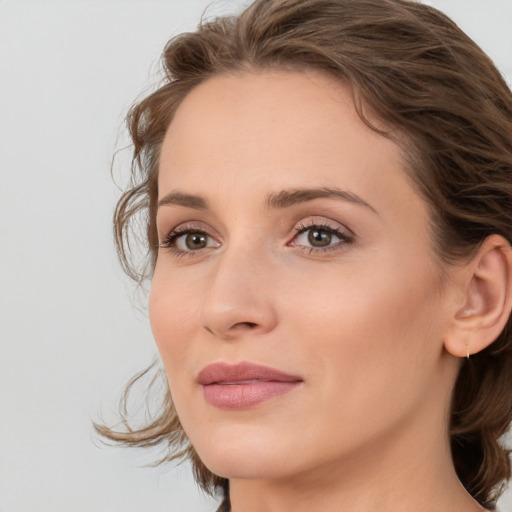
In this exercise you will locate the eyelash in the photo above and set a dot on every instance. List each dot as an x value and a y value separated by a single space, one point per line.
345 238
169 241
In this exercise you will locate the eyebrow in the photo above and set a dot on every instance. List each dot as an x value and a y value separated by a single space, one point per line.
287 198
276 200
182 199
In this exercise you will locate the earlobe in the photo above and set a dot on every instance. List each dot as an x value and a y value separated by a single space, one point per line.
487 287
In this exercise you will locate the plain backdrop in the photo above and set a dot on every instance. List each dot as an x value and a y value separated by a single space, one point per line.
72 332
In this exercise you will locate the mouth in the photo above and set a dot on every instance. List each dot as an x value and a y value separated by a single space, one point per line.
244 385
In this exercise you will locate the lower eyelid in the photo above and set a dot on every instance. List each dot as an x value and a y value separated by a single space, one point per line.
316 250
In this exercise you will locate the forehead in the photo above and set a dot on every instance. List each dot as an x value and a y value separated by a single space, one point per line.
247 135
268 121
261 103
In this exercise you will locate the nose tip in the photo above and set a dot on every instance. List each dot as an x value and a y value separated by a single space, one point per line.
229 325
238 301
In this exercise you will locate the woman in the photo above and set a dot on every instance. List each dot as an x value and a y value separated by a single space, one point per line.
328 192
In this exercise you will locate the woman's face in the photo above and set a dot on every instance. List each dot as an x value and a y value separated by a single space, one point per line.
291 238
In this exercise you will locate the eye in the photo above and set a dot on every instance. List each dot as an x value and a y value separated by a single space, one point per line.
321 237
183 241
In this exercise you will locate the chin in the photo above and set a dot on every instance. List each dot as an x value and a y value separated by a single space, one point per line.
248 452
250 466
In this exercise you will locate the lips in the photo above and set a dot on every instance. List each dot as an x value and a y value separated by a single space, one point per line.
243 385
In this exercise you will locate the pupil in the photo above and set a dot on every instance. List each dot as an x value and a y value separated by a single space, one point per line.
195 241
319 238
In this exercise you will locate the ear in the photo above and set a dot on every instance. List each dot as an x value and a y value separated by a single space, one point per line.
486 300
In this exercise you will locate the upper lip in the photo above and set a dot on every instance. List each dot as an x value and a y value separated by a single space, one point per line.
218 373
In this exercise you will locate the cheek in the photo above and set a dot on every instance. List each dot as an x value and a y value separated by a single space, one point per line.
173 314
360 300
368 335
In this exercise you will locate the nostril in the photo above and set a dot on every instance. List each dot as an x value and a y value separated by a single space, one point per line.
237 327
251 325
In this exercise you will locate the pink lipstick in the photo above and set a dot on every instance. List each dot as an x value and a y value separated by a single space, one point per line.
243 385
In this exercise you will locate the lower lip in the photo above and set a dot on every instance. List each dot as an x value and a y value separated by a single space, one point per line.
240 396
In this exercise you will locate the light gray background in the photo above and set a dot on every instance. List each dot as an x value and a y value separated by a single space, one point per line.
70 334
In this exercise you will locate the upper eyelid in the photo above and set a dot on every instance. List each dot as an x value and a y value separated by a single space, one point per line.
301 224
320 223
188 226
326 224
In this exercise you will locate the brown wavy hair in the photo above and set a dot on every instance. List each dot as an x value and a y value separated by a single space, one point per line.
423 78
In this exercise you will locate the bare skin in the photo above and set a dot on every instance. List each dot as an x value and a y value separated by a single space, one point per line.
360 311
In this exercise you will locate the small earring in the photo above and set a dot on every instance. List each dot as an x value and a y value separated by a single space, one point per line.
467 351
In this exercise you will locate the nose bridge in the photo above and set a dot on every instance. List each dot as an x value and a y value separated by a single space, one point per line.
239 296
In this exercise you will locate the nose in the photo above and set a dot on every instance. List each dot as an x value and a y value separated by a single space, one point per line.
239 299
